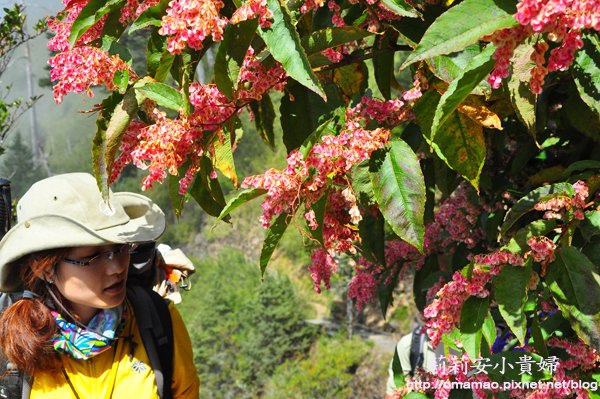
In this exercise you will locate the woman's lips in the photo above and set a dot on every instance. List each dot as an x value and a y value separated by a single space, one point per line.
116 287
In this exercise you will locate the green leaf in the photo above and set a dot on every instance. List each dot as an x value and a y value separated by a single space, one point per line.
425 278
385 292
240 199
579 114
93 11
264 117
206 191
451 66
401 8
300 113
416 395
399 187
538 337
460 142
319 208
163 94
579 166
158 59
329 127
526 204
274 234
177 200
113 47
489 330
113 27
575 284
326 38
590 225
119 121
586 71
283 42
372 238
461 87
463 25
231 54
383 65
522 98
510 290
399 380
151 17
472 317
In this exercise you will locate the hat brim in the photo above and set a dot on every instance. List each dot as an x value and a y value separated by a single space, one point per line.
146 223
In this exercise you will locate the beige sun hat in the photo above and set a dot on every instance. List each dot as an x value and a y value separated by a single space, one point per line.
68 210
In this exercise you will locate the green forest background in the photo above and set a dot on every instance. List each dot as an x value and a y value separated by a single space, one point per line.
271 338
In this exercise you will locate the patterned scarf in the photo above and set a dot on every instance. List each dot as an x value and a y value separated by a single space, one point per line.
84 343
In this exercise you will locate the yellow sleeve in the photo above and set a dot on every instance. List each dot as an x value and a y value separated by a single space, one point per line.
186 384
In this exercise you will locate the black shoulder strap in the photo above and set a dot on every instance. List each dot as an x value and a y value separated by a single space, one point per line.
416 349
156 328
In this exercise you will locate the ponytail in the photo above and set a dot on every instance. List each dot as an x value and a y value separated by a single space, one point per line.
27 326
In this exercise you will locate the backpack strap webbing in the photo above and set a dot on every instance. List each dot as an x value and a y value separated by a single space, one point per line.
156 328
416 349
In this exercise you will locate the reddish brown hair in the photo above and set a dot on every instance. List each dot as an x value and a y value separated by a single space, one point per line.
27 326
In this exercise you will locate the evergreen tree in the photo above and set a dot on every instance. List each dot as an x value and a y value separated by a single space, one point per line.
17 165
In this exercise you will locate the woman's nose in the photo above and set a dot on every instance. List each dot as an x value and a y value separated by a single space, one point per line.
117 264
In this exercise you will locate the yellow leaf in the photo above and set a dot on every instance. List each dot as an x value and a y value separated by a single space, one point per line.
350 79
223 157
475 109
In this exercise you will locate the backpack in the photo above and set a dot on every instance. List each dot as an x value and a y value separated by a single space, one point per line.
417 344
156 329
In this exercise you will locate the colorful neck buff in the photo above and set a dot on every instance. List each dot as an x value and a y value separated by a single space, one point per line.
84 343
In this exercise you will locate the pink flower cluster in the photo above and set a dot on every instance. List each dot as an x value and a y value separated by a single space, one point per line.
499 258
583 357
561 21
325 171
189 22
211 107
363 286
506 40
542 251
134 8
164 146
453 369
444 312
310 5
583 360
321 268
387 113
329 161
79 69
556 207
254 80
128 143
61 26
252 9
455 222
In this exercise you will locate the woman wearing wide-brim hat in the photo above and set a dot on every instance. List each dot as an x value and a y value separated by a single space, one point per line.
74 331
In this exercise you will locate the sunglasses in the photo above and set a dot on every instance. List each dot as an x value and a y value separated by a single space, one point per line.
121 252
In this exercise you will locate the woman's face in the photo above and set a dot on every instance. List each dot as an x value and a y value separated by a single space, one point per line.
99 285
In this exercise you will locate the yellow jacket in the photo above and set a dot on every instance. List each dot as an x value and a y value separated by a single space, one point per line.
114 374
